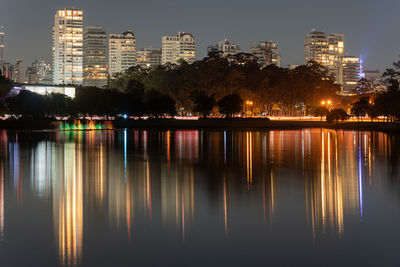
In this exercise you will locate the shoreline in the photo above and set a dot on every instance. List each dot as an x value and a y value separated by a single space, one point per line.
207 124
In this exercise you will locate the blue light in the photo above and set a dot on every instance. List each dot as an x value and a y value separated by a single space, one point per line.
125 116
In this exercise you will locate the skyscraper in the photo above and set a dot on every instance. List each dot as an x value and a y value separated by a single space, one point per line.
68 46
1 48
326 50
122 52
19 71
148 57
351 74
95 57
266 52
225 47
179 47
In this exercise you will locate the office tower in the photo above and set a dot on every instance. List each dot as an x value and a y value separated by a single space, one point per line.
122 52
68 47
326 50
44 72
19 71
31 76
351 74
1 48
148 57
267 53
8 71
224 48
95 57
177 48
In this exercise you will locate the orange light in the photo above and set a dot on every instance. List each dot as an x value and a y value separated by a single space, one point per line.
329 102
322 102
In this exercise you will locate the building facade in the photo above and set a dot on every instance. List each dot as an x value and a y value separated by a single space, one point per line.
225 48
327 50
179 47
68 47
267 53
19 74
351 67
122 52
148 57
95 57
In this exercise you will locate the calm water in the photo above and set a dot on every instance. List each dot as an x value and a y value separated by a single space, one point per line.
198 198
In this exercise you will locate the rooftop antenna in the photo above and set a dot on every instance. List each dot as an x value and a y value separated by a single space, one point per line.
1 48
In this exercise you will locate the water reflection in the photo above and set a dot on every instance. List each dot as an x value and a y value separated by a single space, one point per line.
177 180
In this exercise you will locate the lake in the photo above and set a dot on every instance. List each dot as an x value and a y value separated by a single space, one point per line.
199 198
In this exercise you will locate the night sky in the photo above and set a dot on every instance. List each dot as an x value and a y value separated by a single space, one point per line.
370 27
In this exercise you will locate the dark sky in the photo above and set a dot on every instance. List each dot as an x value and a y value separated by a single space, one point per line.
371 27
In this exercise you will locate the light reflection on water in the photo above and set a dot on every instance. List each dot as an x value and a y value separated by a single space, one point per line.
108 193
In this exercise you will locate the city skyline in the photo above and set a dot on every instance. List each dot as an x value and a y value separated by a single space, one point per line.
286 27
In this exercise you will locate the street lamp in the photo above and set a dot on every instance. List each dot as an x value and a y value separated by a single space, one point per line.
248 103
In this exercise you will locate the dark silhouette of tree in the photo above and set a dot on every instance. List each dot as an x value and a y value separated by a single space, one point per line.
28 104
360 108
203 103
159 104
337 115
230 105
320 111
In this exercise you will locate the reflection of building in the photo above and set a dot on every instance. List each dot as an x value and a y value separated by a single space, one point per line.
225 47
68 204
67 47
95 57
266 52
179 47
122 52
351 74
148 57
335 190
327 50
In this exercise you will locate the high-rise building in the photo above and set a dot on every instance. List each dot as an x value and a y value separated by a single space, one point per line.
1 48
376 80
327 50
351 74
19 71
44 72
225 48
31 76
8 71
95 57
179 47
68 47
122 52
148 57
266 52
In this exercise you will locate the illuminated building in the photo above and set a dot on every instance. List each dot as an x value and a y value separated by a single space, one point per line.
19 71
266 52
326 50
67 47
122 52
44 89
148 57
225 47
8 71
95 56
179 47
351 74
44 73
1 48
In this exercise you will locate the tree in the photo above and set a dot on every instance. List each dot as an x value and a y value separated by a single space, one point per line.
360 108
203 103
337 115
230 105
320 112
158 104
27 104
